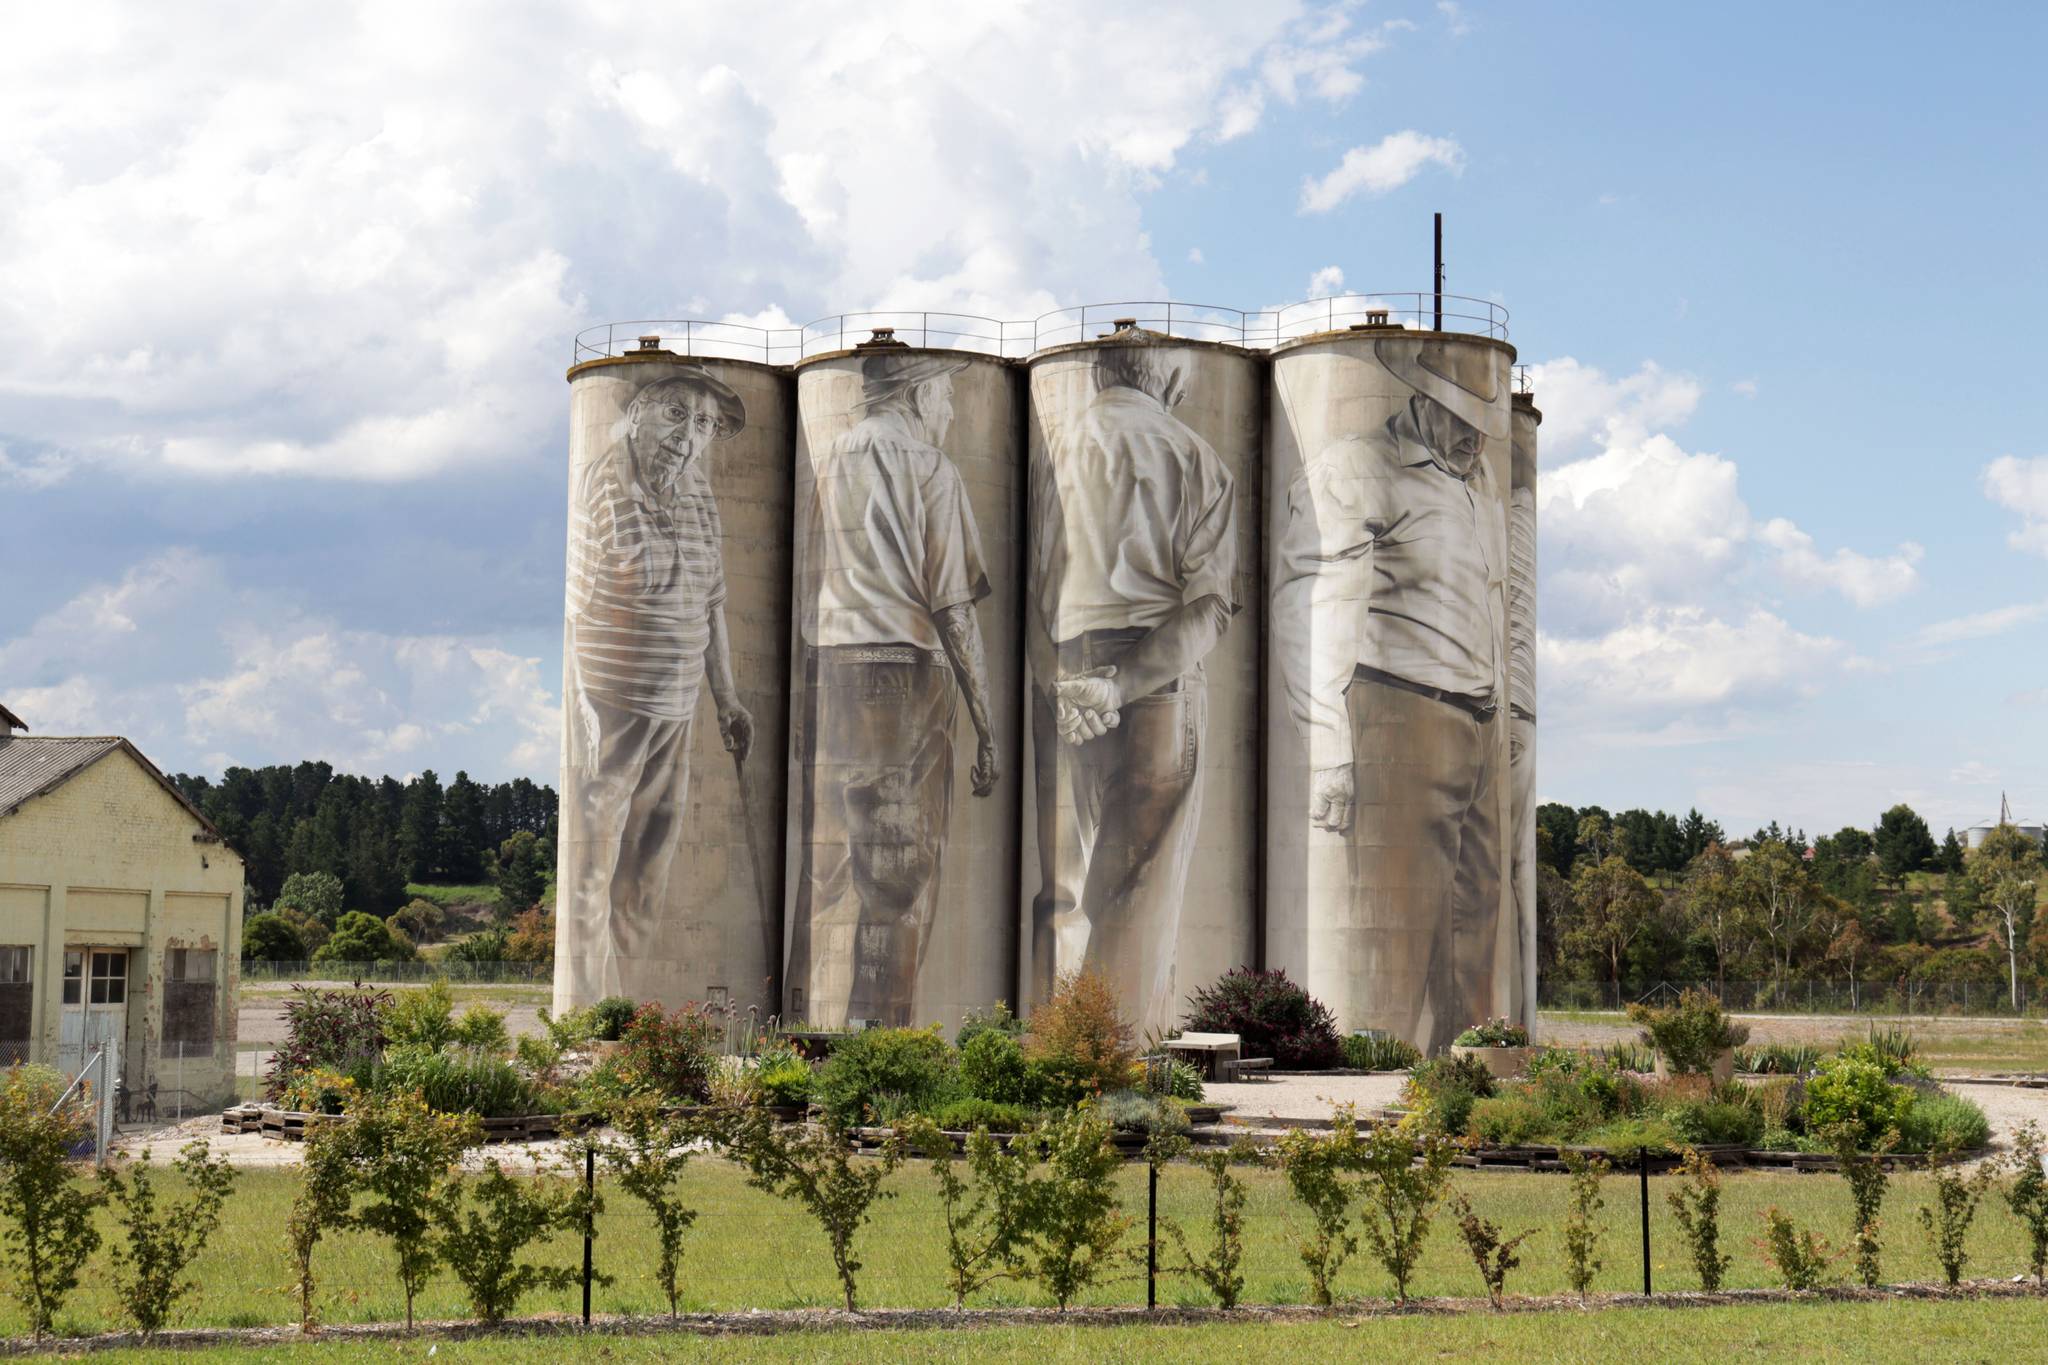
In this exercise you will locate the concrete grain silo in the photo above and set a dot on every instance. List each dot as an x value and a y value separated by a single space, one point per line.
1388 814
1142 621
675 664
1526 418
906 724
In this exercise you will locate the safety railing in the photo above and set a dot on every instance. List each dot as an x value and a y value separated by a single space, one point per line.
1016 339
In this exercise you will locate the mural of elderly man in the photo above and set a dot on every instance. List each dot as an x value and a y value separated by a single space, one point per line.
646 621
1389 617
1135 525
891 573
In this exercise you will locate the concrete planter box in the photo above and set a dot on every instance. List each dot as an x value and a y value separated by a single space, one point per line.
1500 1062
1723 1068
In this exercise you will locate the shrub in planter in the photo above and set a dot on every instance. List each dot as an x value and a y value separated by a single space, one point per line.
1625 1139
910 1066
1132 1111
668 1053
457 1081
1442 1091
1379 1052
784 1079
1081 1037
1274 1017
996 1018
1508 1121
1853 1091
1691 1034
992 1067
328 1028
1716 1121
1943 1123
608 1018
961 1116
1493 1033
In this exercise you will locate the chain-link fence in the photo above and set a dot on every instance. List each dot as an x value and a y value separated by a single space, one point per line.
1807 997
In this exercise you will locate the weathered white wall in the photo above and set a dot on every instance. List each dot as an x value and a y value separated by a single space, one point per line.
108 859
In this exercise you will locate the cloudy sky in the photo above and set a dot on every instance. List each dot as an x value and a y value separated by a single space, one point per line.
286 294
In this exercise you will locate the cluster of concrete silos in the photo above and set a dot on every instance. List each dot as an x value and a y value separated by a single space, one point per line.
1143 654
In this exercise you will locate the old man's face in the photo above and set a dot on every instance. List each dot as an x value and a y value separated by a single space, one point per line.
671 428
1454 440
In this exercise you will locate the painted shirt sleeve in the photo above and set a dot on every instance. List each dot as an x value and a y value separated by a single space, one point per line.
953 569
1323 596
1208 552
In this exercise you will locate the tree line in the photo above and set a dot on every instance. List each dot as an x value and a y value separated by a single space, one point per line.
1641 897
374 834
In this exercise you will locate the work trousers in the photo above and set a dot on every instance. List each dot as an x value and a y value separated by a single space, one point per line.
1429 933
875 741
629 785
1117 817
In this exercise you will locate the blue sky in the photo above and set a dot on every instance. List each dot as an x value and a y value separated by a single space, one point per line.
285 300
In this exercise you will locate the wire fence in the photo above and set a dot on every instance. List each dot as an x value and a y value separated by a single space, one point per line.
398 973
1933 998
1016 339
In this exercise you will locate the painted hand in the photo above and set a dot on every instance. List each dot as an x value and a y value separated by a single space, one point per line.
1087 704
985 770
1330 807
736 728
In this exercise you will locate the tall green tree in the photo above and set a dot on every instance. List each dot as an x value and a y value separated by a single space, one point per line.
1614 906
318 894
1904 843
464 842
2003 876
1778 895
419 827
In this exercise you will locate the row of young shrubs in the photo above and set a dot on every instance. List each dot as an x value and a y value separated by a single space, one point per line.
1584 1099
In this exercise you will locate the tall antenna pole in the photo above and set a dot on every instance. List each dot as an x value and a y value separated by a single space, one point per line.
1439 277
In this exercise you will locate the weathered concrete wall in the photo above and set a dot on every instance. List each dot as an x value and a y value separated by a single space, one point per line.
1522 681
1245 638
675 659
1388 805
109 860
906 722
1142 621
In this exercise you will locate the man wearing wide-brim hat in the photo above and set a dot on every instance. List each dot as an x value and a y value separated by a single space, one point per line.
1388 625
645 622
889 572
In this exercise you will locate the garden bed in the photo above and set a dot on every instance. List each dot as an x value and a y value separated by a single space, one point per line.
290 1125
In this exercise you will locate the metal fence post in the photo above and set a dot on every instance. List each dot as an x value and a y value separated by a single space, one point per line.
1643 1168
589 1221
1151 1235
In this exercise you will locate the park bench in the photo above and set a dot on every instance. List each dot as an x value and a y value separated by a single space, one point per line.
1245 1068
1211 1053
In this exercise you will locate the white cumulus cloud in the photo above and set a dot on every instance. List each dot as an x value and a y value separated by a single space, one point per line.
1385 166
2022 486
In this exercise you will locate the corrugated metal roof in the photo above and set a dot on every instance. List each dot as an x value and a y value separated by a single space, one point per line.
32 764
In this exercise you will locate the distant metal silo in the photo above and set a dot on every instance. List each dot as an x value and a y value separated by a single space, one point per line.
1142 619
675 645
908 559
1522 681
1387 812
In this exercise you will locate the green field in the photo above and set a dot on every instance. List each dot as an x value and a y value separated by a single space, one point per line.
1910 1332
750 1251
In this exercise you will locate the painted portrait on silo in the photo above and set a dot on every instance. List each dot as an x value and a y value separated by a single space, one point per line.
645 631
889 575
1388 641
1134 545
1522 684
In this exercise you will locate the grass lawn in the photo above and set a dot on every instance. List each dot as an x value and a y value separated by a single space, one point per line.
446 896
1946 1042
748 1250
1910 1332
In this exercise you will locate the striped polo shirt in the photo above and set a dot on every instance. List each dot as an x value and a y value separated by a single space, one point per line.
644 576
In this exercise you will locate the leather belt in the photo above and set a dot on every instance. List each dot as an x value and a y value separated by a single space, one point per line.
880 654
1481 711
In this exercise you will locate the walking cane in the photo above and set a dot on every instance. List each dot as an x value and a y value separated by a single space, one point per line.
771 915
